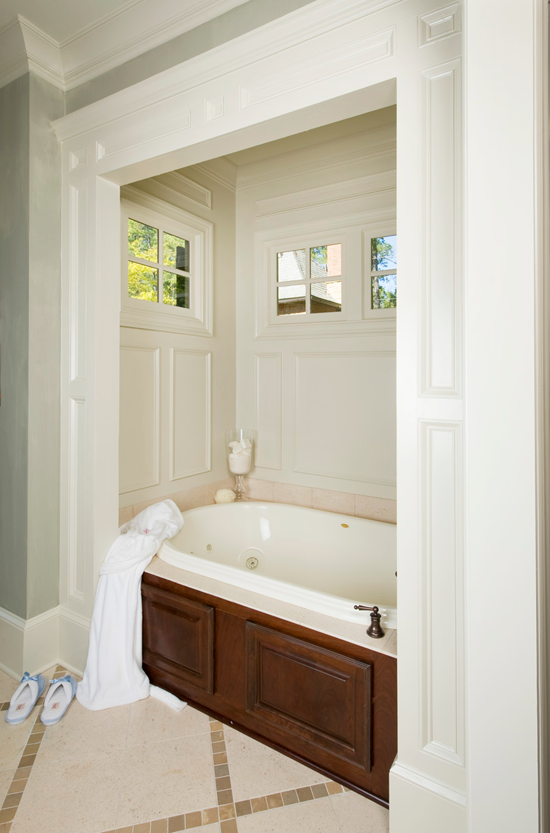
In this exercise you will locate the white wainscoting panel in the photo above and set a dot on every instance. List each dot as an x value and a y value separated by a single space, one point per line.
268 402
190 413
78 278
139 418
441 100
442 590
344 415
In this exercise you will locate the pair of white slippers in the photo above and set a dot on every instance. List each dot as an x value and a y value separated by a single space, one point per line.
58 699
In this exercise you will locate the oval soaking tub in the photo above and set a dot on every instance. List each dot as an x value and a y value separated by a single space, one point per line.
318 560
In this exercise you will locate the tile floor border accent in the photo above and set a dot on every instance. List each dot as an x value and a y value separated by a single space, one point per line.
227 812
19 781
202 818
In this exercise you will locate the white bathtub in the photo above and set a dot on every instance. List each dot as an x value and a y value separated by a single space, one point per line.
318 560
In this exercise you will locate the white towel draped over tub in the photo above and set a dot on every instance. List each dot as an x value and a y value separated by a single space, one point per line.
113 675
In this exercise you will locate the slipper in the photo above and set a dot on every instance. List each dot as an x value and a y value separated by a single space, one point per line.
58 699
24 698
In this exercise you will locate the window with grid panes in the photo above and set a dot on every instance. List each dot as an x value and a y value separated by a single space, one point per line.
158 265
309 280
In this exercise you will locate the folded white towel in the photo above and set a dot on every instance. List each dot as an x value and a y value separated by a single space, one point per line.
113 675
167 698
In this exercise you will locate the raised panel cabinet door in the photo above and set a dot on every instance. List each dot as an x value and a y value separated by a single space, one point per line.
317 694
178 637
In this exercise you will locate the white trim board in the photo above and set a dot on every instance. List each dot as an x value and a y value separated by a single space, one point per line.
243 51
34 645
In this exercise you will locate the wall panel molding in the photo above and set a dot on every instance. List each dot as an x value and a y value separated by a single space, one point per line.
268 401
77 500
139 400
331 406
442 248
441 524
190 435
356 55
78 279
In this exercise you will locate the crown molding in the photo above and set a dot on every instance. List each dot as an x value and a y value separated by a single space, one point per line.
111 41
222 171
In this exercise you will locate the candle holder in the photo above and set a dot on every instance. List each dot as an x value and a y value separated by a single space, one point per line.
240 445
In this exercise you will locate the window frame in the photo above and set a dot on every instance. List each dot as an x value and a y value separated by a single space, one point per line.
156 315
309 243
370 313
354 231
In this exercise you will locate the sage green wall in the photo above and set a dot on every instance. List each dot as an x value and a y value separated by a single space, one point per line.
30 299
46 104
221 29
14 342
30 221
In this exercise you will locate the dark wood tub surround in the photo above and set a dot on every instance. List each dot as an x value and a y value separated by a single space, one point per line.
330 704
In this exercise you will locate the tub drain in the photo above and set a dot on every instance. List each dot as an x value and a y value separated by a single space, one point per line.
252 562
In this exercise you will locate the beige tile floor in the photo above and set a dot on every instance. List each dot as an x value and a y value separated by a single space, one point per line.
147 769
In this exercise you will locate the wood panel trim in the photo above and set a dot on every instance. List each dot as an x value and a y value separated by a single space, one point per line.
259 639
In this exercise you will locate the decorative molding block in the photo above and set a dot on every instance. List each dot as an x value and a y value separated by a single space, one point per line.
441 524
78 159
349 57
443 23
213 108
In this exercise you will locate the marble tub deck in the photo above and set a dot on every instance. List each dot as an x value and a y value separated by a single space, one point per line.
144 768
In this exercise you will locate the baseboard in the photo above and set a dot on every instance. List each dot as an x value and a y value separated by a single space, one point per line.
28 645
40 649
12 631
57 636
421 805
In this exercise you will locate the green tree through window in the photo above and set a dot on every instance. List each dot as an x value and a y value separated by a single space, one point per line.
384 272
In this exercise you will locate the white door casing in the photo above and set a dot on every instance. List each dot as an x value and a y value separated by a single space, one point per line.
330 60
